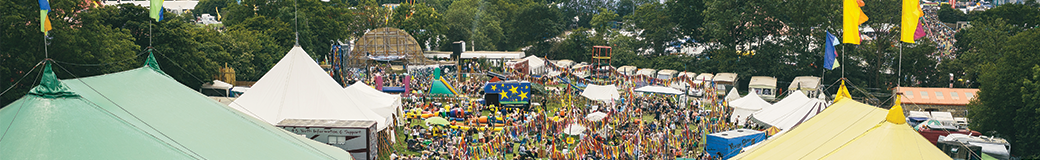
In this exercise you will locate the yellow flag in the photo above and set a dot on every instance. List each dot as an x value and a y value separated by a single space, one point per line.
895 114
911 14
852 17
842 92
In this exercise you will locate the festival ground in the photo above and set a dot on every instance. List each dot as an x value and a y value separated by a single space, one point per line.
634 126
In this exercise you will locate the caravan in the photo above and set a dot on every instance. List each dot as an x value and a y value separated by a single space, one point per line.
810 85
764 86
627 70
647 72
725 82
666 74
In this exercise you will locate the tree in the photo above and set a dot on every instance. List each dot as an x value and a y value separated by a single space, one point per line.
420 21
473 24
22 46
533 23
603 21
655 26
978 45
210 7
687 14
1001 104
949 15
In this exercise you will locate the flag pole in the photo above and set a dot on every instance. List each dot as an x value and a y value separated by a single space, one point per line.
45 53
899 81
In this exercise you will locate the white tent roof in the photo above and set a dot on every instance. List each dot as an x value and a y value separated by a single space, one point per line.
744 107
534 62
658 89
297 88
217 84
606 93
732 95
383 104
791 111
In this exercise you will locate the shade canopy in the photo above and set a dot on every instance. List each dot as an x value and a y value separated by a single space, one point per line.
847 130
297 88
574 129
140 114
658 89
605 93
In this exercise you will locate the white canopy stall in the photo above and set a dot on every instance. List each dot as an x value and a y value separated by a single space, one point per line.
297 88
607 93
744 107
658 89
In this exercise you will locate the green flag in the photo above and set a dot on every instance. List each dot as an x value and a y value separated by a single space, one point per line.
156 9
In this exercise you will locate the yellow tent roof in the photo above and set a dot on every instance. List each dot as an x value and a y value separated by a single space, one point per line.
847 130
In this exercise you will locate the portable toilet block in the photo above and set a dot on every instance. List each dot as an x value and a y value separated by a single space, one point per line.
729 143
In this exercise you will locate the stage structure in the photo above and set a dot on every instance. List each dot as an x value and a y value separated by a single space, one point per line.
385 45
600 63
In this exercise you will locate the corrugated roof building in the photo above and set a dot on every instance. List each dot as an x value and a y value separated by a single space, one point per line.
953 100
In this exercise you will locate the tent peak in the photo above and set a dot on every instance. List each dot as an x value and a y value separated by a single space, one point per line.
843 92
151 63
50 86
895 114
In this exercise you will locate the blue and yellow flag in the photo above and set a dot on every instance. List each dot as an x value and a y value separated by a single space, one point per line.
45 23
830 61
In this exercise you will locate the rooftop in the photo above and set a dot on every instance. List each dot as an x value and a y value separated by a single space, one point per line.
937 96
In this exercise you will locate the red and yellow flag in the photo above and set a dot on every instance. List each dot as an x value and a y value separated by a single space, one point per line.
911 15
852 17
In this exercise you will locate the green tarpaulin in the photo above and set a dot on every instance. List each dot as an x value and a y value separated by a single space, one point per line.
140 114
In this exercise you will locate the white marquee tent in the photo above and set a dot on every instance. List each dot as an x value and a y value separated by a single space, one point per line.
791 111
607 93
744 107
732 95
384 104
297 88
535 65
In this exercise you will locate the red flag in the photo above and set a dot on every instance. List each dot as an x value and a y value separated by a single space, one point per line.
920 32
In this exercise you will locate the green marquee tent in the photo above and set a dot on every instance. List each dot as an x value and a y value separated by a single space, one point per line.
140 114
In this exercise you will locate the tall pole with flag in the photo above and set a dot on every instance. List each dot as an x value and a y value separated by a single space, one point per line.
830 61
45 24
908 30
156 12
852 17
